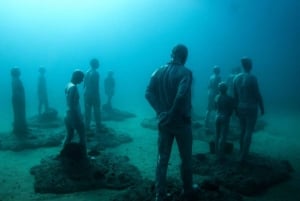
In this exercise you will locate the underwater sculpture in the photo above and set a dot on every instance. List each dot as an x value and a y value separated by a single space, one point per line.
110 113
73 119
169 94
39 131
224 108
20 128
76 170
214 81
92 95
109 138
248 99
33 133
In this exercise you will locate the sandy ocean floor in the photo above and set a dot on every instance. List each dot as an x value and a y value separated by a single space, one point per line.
280 139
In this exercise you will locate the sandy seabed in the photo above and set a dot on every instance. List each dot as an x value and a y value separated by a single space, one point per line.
280 139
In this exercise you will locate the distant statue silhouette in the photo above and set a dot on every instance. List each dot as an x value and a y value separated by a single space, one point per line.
42 91
92 95
224 107
18 103
109 86
248 98
214 81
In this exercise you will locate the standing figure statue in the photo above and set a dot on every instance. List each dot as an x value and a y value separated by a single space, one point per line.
109 87
248 98
92 95
224 108
42 92
234 72
169 94
18 103
214 81
234 123
73 120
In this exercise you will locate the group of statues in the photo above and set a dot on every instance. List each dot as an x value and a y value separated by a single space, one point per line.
73 119
239 94
73 115
170 95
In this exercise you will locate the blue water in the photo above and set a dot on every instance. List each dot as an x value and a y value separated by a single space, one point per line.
134 37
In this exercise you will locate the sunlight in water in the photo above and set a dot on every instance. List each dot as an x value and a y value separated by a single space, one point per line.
85 8
68 8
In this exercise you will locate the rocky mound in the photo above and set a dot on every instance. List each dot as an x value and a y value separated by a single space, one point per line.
72 171
206 191
251 177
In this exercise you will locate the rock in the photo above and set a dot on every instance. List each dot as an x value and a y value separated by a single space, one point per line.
48 136
35 139
68 173
48 119
145 191
106 138
46 130
252 177
114 114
